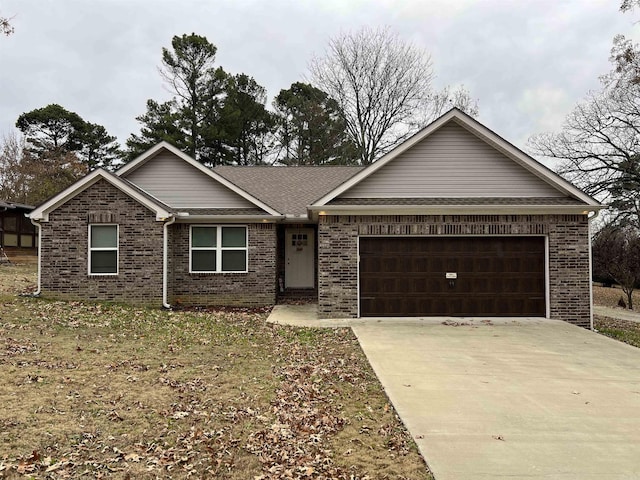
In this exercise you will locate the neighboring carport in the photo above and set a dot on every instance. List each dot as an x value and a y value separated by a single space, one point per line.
511 398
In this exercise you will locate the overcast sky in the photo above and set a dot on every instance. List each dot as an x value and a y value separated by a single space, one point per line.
527 62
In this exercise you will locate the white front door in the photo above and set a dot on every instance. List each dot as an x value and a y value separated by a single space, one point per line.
299 258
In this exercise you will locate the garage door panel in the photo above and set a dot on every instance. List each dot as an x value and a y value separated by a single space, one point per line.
496 276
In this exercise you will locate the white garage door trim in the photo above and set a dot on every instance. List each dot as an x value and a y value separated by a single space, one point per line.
546 260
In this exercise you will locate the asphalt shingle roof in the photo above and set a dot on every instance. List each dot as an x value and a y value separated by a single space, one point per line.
5 204
288 189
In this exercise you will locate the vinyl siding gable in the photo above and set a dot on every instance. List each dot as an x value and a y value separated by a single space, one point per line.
180 185
451 163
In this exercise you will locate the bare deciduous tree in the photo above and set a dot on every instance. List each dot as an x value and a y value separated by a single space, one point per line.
383 86
5 26
599 145
627 5
616 254
26 178
12 180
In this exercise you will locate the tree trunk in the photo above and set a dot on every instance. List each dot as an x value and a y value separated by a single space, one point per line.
629 293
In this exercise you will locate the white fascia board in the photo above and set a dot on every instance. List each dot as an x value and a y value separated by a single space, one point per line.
42 212
149 154
482 132
452 209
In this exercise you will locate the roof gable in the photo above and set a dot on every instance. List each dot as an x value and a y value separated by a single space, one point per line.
180 181
456 156
451 162
42 212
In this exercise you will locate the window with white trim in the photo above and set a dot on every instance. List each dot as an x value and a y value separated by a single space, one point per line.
103 249
218 249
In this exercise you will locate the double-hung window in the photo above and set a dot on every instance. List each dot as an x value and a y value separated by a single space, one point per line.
217 249
103 249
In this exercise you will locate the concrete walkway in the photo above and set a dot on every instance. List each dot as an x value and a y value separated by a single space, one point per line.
505 398
306 315
616 313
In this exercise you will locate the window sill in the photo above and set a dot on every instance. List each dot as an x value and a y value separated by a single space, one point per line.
217 273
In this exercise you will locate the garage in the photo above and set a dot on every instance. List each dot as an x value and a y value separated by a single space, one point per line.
452 276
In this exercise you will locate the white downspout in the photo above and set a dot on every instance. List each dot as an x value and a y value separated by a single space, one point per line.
165 262
590 220
39 238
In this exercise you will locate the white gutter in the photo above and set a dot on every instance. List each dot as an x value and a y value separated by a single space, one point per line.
454 209
165 261
229 218
39 238
316 211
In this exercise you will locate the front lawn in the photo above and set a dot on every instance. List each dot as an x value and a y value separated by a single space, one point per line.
100 390
623 330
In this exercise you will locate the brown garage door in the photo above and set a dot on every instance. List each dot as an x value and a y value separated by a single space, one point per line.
496 276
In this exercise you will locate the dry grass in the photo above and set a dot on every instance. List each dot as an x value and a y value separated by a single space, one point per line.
16 278
95 390
622 330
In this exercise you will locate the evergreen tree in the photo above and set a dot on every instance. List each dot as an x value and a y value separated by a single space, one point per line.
311 128
53 132
188 119
245 123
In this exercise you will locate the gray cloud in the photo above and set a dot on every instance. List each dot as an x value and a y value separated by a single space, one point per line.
527 62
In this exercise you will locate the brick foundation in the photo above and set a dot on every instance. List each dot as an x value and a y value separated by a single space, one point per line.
568 263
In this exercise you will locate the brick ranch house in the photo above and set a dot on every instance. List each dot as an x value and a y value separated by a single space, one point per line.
455 221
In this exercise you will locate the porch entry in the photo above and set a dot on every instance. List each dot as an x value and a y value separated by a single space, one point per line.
299 258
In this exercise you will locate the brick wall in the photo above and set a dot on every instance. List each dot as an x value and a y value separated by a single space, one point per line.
257 287
65 247
568 266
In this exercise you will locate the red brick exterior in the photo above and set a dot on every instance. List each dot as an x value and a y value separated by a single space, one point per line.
65 251
568 263
257 287
64 268
64 254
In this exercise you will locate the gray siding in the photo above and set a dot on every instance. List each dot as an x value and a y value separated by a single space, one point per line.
451 162
180 185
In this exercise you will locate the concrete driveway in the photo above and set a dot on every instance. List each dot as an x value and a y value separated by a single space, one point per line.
526 398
